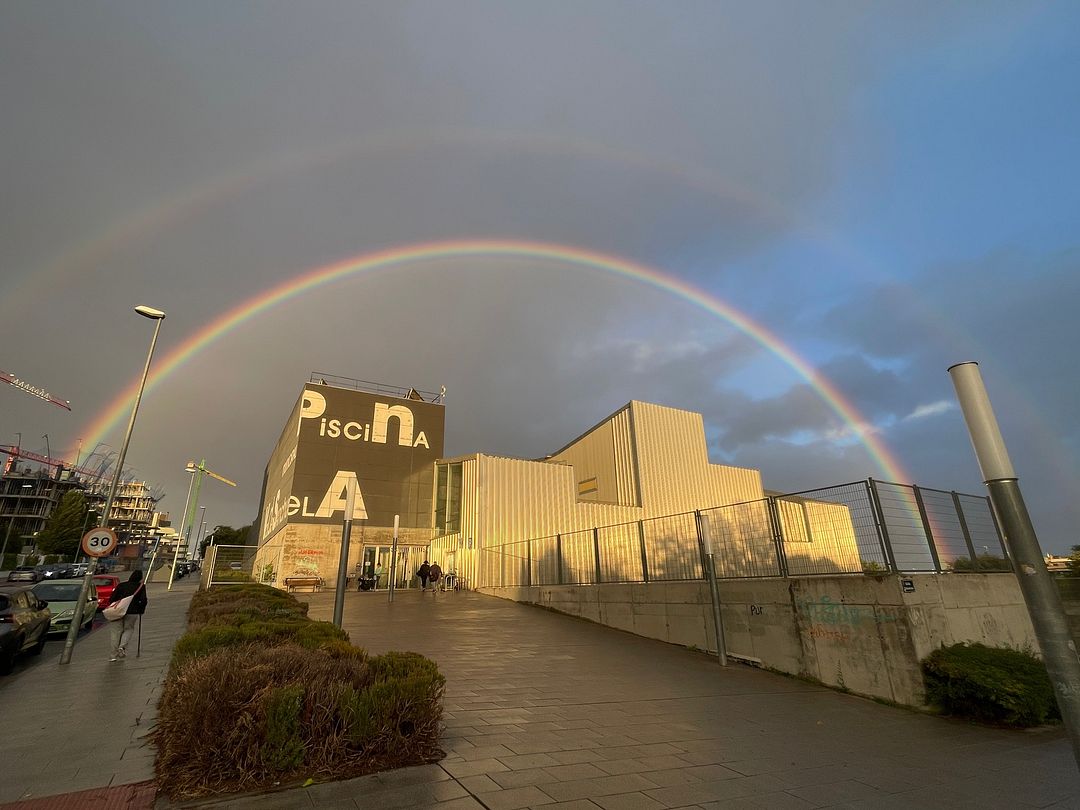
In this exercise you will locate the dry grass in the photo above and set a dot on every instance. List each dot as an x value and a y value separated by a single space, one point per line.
242 713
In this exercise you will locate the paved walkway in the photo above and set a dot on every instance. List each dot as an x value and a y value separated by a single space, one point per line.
544 710
80 727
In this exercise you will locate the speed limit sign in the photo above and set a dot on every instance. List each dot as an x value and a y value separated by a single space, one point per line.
99 542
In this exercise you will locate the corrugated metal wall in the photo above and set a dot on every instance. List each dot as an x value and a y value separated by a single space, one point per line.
673 461
606 453
650 461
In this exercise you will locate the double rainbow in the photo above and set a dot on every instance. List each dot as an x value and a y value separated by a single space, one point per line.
107 419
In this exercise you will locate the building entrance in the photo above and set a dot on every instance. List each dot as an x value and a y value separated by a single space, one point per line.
377 558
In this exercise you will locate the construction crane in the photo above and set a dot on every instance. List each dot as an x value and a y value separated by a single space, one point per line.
15 453
198 471
33 390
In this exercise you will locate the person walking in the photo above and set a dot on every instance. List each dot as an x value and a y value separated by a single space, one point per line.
434 574
121 629
378 575
424 571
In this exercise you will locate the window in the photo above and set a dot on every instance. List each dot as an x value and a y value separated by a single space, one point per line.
448 499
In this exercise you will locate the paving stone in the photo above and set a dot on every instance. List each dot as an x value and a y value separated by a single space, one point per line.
512 779
515 798
628 801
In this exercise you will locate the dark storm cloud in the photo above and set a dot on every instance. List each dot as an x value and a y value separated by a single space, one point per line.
191 155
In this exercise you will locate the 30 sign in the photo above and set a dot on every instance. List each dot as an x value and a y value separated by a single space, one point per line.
99 542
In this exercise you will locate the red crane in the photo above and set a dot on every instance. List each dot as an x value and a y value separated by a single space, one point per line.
33 390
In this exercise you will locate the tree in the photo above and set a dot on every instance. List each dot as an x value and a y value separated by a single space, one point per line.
63 532
226 536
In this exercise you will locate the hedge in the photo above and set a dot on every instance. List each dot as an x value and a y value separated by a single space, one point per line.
990 684
260 695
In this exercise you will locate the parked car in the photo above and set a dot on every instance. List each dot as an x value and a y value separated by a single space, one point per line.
105 584
62 595
58 571
24 624
26 573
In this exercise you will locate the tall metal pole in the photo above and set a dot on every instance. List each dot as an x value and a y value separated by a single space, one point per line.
393 563
343 556
189 518
76 619
1040 593
180 538
709 564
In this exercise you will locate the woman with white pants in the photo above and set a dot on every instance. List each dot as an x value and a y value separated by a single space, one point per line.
121 629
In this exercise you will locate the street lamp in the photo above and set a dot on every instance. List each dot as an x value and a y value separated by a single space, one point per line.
157 316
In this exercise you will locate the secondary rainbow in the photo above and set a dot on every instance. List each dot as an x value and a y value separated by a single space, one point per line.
108 418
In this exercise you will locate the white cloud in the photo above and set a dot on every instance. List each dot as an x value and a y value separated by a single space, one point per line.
931 409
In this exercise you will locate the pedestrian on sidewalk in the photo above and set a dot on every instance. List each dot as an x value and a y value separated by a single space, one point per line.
424 571
434 574
121 629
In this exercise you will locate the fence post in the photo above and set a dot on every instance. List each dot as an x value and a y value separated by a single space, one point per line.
883 531
778 536
644 554
930 541
528 563
708 570
596 552
558 558
964 530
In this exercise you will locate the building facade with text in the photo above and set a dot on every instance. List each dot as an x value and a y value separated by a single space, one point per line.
382 443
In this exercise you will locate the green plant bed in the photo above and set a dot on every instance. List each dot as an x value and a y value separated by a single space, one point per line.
990 684
246 717
303 633
258 695
239 604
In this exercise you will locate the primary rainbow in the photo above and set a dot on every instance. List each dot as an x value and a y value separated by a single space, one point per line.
105 421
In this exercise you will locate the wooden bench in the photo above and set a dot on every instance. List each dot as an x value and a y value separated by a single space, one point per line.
292 583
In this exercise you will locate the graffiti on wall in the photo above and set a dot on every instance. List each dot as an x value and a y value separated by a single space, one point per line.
837 621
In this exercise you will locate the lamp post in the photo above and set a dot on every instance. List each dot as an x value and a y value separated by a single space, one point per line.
186 520
157 316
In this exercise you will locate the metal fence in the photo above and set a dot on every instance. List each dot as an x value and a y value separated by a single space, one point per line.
865 527
229 565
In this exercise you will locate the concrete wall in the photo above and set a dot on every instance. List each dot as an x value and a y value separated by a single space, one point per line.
862 633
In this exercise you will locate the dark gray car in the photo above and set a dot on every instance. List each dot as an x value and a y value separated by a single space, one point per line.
24 624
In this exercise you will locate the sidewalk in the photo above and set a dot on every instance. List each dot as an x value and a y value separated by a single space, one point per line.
80 727
548 711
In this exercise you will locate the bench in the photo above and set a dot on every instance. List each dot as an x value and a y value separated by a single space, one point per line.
292 583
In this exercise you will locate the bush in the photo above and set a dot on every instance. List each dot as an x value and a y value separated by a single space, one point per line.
984 562
258 694
990 684
303 633
240 604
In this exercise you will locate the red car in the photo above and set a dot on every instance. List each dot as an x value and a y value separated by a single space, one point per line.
105 584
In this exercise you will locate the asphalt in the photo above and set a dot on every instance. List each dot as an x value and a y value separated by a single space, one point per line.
544 710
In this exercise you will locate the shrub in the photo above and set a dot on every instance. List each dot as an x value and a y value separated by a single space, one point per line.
303 633
240 604
984 562
990 684
258 694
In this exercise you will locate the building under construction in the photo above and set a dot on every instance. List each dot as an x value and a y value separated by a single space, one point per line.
32 486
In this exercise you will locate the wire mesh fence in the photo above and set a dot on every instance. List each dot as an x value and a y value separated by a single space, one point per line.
228 565
864 527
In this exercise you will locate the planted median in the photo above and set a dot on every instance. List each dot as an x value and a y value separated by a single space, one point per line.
260 695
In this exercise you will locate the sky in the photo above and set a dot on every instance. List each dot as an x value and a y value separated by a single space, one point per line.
886 188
